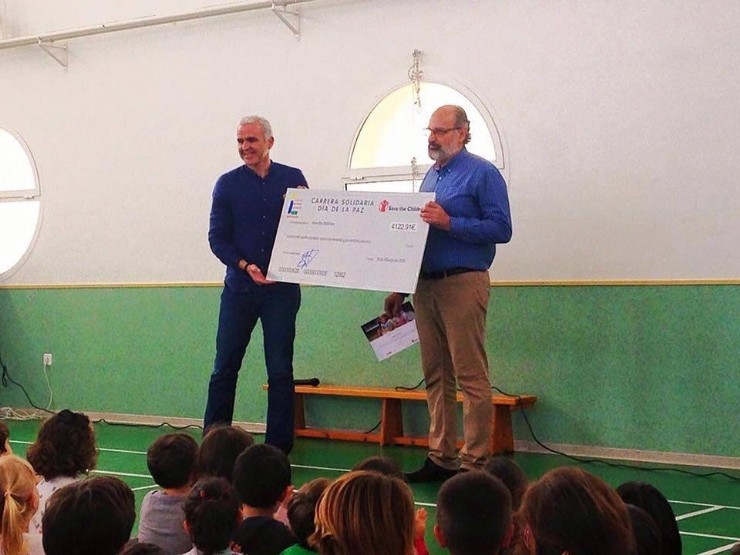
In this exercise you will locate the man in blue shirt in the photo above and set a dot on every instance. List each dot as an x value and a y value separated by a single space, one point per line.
469 216
245 213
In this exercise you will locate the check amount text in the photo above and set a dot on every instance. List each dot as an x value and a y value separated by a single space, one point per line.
403 226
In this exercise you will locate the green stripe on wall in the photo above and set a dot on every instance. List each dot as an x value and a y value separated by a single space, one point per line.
650 367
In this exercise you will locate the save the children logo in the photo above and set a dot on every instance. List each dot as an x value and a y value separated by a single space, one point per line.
383 206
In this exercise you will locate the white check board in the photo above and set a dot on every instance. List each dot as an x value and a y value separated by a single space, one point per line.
355 240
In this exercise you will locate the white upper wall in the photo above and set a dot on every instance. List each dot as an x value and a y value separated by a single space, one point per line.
621 123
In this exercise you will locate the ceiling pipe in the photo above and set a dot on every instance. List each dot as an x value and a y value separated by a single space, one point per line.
47 38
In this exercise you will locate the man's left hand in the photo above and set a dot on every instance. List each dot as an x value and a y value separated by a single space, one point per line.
257 276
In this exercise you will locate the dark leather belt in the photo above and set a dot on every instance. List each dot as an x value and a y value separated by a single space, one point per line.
445 273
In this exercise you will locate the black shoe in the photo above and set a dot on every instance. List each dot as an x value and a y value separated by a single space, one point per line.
429 472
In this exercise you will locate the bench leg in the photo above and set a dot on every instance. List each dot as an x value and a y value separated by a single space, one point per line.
502 438
391 425
299 413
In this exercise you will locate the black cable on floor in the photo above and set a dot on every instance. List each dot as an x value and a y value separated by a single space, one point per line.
6 379
610 463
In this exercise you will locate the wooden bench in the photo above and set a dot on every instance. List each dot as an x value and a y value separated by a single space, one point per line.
391 416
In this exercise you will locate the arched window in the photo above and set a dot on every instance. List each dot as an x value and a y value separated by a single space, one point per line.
19 202
390 149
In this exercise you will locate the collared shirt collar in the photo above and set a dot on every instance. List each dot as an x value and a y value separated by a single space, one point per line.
250 170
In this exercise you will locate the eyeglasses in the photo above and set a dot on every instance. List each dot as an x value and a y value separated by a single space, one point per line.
439 131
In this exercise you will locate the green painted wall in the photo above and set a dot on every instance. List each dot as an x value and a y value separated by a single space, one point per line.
652 367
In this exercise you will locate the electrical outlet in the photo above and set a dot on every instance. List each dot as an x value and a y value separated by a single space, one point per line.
48 359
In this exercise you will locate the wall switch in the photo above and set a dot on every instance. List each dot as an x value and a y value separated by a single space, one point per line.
48 359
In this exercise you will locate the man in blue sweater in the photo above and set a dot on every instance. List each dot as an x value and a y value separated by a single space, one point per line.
245 213
469 216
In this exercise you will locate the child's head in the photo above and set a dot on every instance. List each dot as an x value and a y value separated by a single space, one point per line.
511 475
647 534
649 498
142 548
18 502
64 446
219 449
474 515
171 460
383 465
262 476
569 509
4 439
365 512
211 514
89 517
302 509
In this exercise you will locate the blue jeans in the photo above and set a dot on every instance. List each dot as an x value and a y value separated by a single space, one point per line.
276 306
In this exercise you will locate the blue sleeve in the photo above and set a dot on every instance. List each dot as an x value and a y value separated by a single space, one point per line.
492 224
221 228
301 180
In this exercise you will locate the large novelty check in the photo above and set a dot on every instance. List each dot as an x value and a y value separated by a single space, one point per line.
356 240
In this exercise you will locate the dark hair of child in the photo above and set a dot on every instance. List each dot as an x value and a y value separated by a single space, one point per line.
211 514
382 465
142 548
569 509
302 509
219 450
64 446
171 460
511 475
261 475
90 517
474 513
4 435
647 534
649 498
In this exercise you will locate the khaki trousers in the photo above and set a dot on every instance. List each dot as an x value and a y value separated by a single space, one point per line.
451 319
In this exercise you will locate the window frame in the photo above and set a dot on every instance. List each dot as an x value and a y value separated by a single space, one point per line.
22 194
354 176
27 195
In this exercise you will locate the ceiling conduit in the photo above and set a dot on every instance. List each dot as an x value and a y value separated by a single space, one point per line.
290 19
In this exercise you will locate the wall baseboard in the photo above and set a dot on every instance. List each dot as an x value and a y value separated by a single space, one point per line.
149 420
632 455
174 421
580 451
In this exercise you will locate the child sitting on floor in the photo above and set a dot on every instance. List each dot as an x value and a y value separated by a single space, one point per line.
301 513
171 461
262 480
219 449
18 503
211 516
474 515
64 449
389 467
5 440
365 513
89 517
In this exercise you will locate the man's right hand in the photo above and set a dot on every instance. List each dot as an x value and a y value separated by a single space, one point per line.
393 304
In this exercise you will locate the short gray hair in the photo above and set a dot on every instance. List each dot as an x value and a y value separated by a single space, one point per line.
262 122
461 120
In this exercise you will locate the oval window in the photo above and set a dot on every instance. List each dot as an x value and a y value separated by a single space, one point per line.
19 202
390 149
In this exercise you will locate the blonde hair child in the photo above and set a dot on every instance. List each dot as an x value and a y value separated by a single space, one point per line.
18 503
365 512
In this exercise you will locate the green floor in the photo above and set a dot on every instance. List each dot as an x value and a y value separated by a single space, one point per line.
708 508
